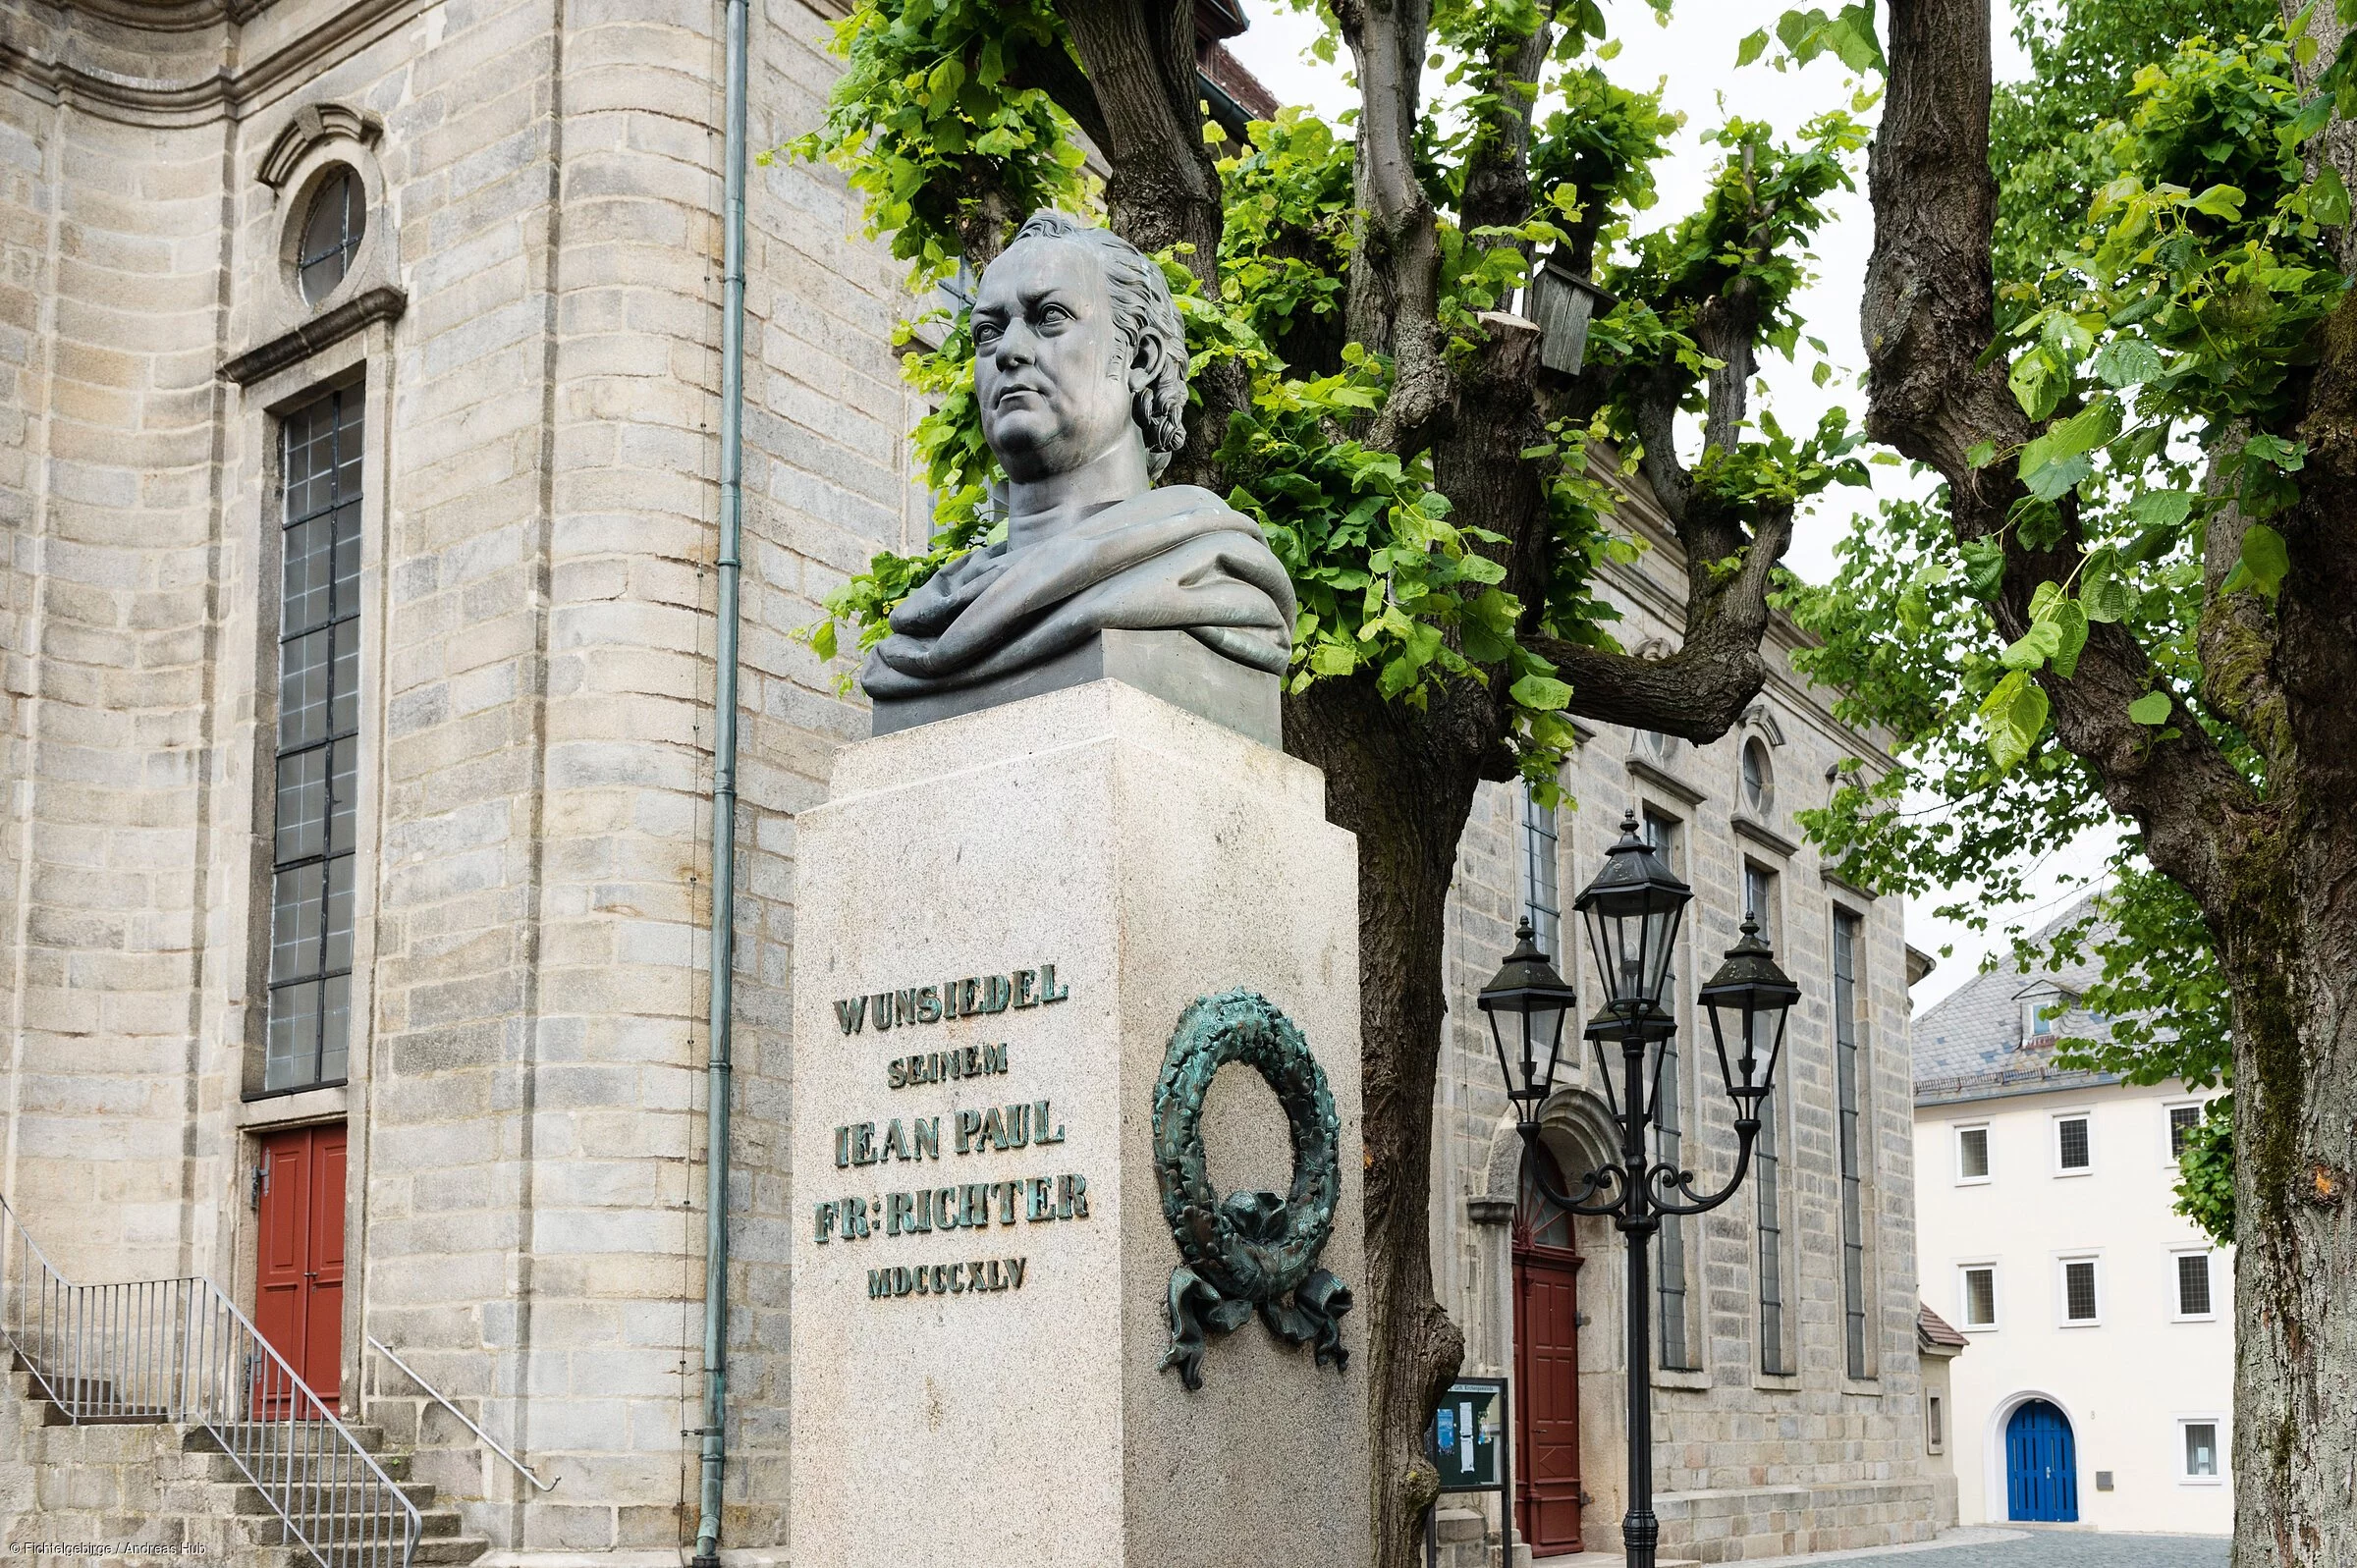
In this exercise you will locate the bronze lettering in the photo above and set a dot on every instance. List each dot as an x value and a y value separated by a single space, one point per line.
1006 1191
994 1127
842 1147
944 1206
897 1075
895 1146
994 1058
904 1005
926 1134
1025 980
880 1014
863 1143
826 1222
998 1281
950 1066
970 991
854 1219
973 1205
1039 1201
875 1283
928 1004
1049 989
1071 1196
1018 1125
901 1284
957 1279
920 1210
1014 1271
972 1059
852 1013
1040 1125
995 991
948 998
968 1123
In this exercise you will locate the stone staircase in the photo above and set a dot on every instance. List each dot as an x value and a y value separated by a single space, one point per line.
134 1480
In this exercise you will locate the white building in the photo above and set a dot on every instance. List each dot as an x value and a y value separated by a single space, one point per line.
2098 1387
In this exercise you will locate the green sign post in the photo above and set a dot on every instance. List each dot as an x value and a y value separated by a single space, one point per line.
1467 1439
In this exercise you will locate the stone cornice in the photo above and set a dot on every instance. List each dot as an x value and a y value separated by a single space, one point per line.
1765 836
1661 778
219 94
382 303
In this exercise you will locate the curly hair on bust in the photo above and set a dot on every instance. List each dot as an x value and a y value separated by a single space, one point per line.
1142 308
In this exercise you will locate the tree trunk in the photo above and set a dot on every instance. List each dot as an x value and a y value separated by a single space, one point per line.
1403 784
2296 1272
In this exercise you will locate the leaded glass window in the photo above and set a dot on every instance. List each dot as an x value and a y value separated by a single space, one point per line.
1759 902
1670 1254
317 758
1853 1198
1540 902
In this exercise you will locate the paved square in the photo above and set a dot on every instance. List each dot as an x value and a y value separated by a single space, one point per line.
2002 1548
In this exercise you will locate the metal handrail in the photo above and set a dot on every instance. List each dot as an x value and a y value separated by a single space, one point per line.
180 1351
489 1441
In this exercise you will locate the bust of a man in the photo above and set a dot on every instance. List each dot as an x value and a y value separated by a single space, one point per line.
1080 372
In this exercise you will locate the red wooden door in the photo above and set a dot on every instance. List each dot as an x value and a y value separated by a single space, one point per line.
1546 1372
299 1280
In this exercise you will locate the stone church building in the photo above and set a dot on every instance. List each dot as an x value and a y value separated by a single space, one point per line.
360 399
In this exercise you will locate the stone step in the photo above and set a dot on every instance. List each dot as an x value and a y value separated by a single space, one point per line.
249 1499
438 1551
220 1466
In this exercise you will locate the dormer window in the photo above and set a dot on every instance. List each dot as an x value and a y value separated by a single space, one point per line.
2043 1010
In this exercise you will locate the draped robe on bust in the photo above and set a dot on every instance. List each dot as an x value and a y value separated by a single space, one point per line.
1177 559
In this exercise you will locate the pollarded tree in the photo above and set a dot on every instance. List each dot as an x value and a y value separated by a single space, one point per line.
2146 439
1420 471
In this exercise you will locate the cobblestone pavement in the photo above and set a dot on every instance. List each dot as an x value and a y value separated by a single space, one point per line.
2035 1548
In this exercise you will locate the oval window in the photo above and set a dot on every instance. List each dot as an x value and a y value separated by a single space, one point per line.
331 235
1759 787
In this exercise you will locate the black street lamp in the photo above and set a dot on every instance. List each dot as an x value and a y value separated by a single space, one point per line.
1631 911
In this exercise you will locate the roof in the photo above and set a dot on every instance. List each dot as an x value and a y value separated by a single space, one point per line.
1933 1332
1970 1046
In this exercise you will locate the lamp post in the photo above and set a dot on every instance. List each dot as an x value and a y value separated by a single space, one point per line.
1631 913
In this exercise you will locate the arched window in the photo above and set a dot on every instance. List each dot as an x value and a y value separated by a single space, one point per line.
1539 1222
331 230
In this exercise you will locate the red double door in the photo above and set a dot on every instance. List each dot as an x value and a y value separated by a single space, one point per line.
1547 1261
298 1275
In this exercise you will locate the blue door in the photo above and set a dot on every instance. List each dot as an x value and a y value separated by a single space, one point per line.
2041 1471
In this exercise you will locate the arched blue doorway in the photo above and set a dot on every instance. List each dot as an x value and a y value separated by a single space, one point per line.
2042 1466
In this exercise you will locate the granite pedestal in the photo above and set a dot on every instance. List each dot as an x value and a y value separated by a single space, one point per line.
1027 897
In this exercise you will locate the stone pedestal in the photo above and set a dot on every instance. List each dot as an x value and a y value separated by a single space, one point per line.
1028 898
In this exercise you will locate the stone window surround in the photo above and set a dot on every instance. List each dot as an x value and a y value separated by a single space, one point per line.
318 142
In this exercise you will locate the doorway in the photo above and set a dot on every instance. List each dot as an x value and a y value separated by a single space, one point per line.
299 1268
1547 1259
2042 1471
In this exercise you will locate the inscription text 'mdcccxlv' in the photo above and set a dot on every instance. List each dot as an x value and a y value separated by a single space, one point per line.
951 999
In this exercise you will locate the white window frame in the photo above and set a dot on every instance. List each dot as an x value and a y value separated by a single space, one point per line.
2176 1296
1964 1297
2168 1157
2062 1263
2054 1141
1987 1151
2217 1425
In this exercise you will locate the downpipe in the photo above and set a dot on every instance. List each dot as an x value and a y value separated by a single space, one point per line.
724 799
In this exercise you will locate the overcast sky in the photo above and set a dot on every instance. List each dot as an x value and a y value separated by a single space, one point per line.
1695 54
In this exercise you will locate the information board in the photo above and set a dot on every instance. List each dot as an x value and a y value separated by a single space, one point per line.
1467 1435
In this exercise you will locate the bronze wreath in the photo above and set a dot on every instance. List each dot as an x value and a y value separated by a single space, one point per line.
1248 1251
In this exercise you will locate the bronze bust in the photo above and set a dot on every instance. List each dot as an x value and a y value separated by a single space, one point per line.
1080 372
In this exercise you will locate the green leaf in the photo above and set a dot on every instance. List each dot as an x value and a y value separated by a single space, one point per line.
2329 198
1983 567
2070 622
2127 362
1981 453
2152 708
2162 508
2219 201
2013 715
1752 47
2266 557
1542 692
2103 592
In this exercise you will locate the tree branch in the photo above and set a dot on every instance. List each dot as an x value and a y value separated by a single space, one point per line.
1935 390
1140 60
1396 265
